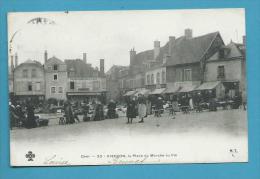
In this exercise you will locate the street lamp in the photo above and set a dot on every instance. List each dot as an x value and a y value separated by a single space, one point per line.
38 20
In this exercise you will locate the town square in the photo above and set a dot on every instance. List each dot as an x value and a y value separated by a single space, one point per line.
185 95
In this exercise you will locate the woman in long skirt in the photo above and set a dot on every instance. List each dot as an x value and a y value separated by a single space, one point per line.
141 108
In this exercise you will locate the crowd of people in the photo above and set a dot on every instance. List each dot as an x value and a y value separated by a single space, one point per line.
23 115
142 106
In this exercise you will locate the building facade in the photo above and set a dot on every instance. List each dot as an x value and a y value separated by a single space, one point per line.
85 82
56 78
228 65
29 82
155 77
186 65
114 81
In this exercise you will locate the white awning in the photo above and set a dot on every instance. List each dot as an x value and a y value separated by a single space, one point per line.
142 92
158 91
174 89
208 85
83 93
130 93
186 89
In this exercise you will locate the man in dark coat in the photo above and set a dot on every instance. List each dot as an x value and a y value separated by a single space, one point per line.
131 110
69 114
21 117
111 113
99 112
30 123
158 107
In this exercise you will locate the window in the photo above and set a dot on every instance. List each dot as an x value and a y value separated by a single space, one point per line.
152 79
33 73
25 73
187 74
38 86
179 75
30 86
163 77
221 53
53 90
158 78
55 67
55 77
84 84
221 71
72 85
148 79
60 90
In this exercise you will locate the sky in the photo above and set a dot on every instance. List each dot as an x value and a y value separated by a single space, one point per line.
111 34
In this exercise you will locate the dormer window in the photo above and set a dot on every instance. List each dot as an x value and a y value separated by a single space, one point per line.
223 52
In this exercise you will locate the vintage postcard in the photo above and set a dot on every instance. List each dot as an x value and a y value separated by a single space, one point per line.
127 87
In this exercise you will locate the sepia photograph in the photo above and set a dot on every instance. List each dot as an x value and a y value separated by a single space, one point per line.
127 87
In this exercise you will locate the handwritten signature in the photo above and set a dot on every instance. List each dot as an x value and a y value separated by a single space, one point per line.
54 160
123 161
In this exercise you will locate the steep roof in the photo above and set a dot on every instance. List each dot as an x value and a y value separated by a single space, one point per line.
241 48
80 68
233 50
30 62
114 67
186 50
141 57
54 59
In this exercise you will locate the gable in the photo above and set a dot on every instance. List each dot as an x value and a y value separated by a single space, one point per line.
233 52
186 51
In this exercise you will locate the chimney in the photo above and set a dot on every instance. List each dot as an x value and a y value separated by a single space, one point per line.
132 56
102 67
188 33
15 60
244 40
45 56
85 58
156 49
171 43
